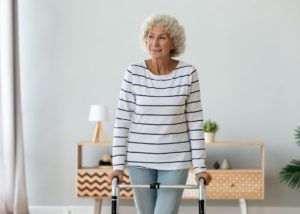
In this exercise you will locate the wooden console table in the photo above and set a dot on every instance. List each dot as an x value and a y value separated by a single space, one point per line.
233 184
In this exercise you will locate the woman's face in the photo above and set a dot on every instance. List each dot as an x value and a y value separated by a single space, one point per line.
159 43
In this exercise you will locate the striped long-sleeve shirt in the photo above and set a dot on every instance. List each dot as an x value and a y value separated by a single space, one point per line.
159 120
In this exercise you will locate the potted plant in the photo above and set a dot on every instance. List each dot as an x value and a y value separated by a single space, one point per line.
290 174
210 129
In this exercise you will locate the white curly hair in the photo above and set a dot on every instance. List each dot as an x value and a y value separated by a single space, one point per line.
171 25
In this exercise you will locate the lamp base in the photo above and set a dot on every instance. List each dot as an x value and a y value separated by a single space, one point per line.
99 130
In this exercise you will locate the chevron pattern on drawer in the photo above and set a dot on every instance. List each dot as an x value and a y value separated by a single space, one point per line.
96 184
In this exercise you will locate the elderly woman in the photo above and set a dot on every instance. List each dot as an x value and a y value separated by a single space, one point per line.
158 129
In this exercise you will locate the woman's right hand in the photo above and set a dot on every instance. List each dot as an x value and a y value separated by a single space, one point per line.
117 173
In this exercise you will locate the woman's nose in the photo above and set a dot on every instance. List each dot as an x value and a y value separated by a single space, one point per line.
155 42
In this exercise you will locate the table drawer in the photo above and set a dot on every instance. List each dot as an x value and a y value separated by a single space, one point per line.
231 184
96 184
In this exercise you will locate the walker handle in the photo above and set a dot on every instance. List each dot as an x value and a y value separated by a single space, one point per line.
114 195
115 179
202 196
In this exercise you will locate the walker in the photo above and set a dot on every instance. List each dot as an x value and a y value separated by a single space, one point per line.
116 189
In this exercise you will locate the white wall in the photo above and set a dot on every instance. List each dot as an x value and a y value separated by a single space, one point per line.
74 54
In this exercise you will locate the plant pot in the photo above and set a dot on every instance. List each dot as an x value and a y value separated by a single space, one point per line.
209 137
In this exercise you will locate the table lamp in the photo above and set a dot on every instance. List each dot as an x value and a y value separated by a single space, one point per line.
98 114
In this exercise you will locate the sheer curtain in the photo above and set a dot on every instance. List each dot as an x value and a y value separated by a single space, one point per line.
13 196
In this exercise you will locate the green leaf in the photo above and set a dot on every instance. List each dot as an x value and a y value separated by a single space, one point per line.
210 126
290 174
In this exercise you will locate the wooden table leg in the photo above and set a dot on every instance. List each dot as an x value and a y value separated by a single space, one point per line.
97 206
243 205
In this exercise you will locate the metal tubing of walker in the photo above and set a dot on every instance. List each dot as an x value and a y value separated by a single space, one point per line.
115 196
202 198
116 188
160 186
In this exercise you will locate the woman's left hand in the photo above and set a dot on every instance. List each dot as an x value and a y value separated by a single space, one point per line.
207 177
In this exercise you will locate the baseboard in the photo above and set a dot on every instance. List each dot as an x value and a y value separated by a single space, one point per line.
60 209
183 209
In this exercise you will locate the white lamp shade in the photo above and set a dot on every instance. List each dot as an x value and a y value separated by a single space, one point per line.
98 113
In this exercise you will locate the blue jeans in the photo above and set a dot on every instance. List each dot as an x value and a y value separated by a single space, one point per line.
157 201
